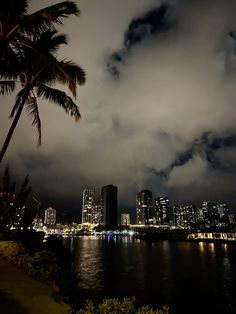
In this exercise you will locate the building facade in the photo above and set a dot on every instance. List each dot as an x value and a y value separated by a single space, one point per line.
222 215
97 214
162 211
143 207
184 216
50 216
209 214
125 219
87 206
109 205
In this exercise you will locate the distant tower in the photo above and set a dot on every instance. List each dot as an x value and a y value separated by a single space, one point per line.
109 205
162 211
88 206
125 219
143 207
50 216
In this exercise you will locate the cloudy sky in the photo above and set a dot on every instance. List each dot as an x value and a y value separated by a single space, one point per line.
158 109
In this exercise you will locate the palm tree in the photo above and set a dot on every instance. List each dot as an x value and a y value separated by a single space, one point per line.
19 31
37 71
16 25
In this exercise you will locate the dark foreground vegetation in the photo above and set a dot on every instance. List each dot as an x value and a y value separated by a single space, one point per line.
126 306
49 262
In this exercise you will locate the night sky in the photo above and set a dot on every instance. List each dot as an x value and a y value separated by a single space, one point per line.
158 109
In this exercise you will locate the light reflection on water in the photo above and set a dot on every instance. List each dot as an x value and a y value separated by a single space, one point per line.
173 273
89 263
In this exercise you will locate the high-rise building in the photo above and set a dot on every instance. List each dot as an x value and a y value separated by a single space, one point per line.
50 216
209 212
125 219
162 211
97 214
109 206
87 206
222 215
143 207
184 216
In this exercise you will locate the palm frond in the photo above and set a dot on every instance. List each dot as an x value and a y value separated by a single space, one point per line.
32 108
45 19
60 98
48 42
68 73
12 10
9 63
75 71
65 72
7 87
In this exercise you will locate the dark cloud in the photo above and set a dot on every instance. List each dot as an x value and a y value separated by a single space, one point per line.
206 147
149 24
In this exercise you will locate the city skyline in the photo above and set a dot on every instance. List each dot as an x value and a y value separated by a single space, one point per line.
157 110
150 208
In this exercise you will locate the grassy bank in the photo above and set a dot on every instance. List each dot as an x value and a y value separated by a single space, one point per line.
24 295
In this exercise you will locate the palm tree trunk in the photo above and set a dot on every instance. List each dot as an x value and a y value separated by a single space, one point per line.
13 126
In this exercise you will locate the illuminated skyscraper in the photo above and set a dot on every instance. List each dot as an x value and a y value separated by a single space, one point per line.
223 215
97 214
209 212
162 211
143 207
88 206
125 219
109 206
50 216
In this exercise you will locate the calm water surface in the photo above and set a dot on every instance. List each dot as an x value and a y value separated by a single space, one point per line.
189 277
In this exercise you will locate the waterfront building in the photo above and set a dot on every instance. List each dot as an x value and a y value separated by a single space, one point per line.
125 219
109 205
162 211
209 213
87 206
222 215
143 207
184 216
50 216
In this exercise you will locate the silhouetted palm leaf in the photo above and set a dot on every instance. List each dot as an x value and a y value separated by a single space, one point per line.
16 26
60 98
7 87
38 71
44 19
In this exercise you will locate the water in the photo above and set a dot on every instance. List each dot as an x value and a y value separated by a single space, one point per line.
188 277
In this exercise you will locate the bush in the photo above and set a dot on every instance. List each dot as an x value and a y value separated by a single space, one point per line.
14 252
116 306
44 266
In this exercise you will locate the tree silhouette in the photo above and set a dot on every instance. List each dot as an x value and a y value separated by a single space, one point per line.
28 55
15 211
17 25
